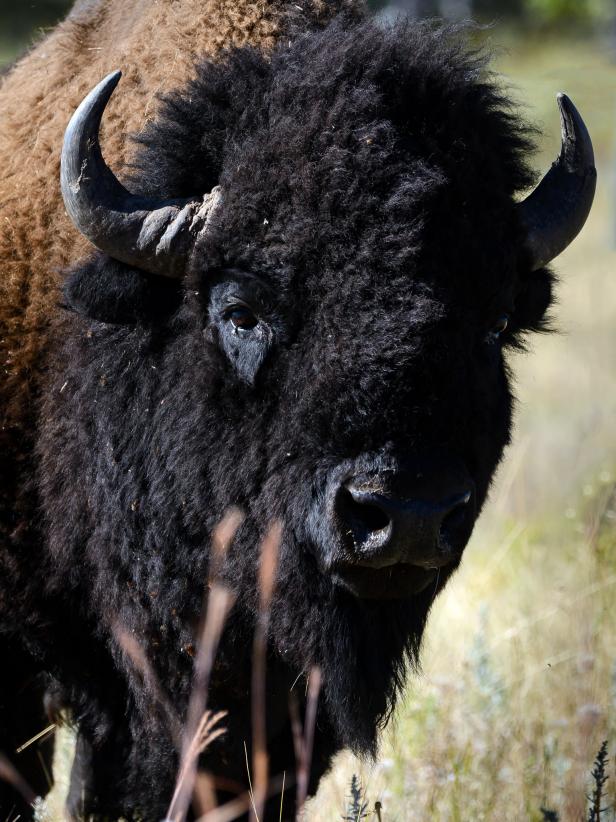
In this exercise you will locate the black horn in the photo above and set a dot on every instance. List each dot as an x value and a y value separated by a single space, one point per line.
153 235
555 212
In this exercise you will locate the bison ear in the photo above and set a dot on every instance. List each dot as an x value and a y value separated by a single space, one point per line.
534 300
106 290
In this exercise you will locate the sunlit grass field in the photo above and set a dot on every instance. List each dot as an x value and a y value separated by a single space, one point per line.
519 667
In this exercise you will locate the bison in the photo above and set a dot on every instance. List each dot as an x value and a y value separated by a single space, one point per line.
300 305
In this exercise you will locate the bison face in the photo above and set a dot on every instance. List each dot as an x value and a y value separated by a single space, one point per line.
370 439
321 341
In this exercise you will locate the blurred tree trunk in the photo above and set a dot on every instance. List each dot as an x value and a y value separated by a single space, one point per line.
499 8
612 36
459 9
416 8
19 19
451 9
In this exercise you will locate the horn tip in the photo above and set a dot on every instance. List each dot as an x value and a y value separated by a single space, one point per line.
565 103
575 137
112 79
105 88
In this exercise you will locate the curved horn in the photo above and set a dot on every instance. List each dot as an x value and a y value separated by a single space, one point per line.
153 235
555 212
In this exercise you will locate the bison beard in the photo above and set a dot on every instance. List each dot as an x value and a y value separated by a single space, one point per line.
369 181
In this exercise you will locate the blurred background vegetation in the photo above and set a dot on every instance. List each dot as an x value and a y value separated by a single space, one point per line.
23 21
519 668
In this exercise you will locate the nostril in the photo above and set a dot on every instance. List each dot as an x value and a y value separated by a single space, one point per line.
363 516
456 524
454 518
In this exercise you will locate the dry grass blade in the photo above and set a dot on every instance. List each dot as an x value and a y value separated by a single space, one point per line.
204 793
267 576
133 650
268 565
296 727
230 810
45 769
220 600
250 791
304 742
40 735
10 774
284 776
236 807
207 731
223 536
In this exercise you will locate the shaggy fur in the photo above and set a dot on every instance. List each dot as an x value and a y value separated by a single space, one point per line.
155 44
369 179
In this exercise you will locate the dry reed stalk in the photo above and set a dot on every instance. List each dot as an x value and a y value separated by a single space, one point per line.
296 728
37 737
267 574
204 794
10 774
45 769
238 806
207 731
229 811
284 776
133 650
303 741
220 600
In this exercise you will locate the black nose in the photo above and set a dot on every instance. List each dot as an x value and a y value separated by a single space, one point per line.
427 526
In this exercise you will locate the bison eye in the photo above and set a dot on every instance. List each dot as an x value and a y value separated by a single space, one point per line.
244 333
499 327
241 317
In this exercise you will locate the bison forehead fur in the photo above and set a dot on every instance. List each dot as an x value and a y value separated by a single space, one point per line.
368 220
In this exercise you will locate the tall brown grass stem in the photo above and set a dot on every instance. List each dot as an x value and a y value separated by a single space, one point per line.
267 575
304 741
220 600
10 774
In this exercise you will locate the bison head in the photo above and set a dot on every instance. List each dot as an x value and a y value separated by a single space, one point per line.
306 312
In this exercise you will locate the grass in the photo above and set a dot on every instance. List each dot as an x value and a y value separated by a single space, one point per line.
519 667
